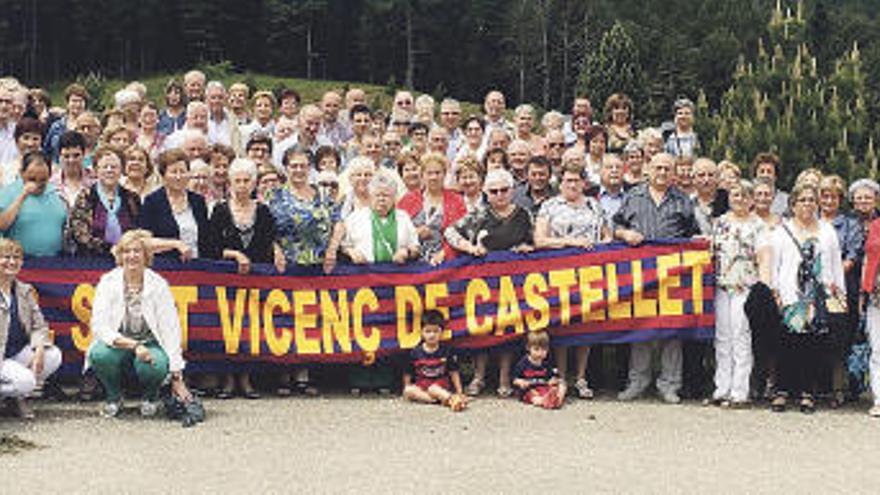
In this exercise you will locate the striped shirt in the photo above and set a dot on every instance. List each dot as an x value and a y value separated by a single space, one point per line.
673 217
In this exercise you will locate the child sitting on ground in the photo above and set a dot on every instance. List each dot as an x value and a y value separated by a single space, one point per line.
533 376
432 374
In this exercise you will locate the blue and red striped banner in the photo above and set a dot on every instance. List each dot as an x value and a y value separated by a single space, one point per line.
613 294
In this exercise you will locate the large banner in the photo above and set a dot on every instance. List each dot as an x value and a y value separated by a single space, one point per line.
613 294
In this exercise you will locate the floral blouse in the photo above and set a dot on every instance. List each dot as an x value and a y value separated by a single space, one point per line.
304 227
566 220
736 245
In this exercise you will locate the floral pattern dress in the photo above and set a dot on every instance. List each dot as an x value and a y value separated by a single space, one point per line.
304 226
736 249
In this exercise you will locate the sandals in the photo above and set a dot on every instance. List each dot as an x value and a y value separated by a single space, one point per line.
225 393
778 403
475 387
808 405
504 391
583 389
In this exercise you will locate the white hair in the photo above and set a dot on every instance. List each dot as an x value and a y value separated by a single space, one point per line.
524 108
188 134
194 106
359 163
215 85
243 166
198 165
383 180
125 96
498 175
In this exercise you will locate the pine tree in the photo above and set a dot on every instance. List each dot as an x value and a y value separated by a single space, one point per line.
613 68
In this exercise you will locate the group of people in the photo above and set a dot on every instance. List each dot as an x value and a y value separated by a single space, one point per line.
220 173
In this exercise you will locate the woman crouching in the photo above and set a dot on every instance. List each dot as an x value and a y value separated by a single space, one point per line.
135 324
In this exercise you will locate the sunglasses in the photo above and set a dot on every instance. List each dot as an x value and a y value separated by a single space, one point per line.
334 185
501 190
556 145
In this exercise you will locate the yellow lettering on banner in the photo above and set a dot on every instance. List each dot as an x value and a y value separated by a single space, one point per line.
231 330
81 306
254 320
697 260
406 297
616 310
304 320
509 313
334 320
539 317
589 294
477 288
278 345
563 281
433 292
642 307
669 306
365 298
184 296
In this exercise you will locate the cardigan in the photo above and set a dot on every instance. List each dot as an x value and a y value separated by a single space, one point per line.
88 220
160 314
156 216
29 314
453 210
223 234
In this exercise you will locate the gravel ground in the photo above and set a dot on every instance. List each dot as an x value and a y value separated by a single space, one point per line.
339 444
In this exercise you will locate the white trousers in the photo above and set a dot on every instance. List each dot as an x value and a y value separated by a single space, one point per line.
669 380
872 328
16 376
733 347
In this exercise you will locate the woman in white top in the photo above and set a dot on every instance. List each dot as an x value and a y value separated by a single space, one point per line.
807 280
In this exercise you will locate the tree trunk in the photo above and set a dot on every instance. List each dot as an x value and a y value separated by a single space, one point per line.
545 52
309 50
563 80
410 50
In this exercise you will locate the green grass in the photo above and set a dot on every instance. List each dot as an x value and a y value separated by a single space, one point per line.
378 97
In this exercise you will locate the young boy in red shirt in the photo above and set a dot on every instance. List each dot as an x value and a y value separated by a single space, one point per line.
535 378
432 374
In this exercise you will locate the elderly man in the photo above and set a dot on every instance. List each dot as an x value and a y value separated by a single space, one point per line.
518 154
495 105
649 212
450 119
196 119
332 129
611 188
8 149
438 140
537 188
403 106
194 85
222 128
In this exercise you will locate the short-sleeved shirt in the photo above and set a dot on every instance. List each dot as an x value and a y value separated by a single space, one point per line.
304 226
39 225
483 226
583 221
673 217
535 374
424 365
736 247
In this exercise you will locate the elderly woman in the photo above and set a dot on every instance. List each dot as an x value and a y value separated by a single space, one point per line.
28 356
138 174
105 211
409 167
806 275
173 116
433 209
737 239
135 324
243 230
268 179
633 163
33 212
148 137
851 236
381 233
870 285
473 128
200 181
572 220
763 192
469 179
524 121
356 185
220 158
308 231
178 218
618 122
501 225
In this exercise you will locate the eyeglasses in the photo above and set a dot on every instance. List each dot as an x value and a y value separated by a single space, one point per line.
500 190
806 200
556 145
333 185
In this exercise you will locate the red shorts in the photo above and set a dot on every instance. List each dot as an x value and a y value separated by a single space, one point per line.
425 383
543 392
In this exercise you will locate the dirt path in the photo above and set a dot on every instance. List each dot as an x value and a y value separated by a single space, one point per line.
345 445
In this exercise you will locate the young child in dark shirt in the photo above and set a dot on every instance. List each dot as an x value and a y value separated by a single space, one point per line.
432 373
534 378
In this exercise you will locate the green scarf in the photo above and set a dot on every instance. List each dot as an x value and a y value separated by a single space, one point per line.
384 236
